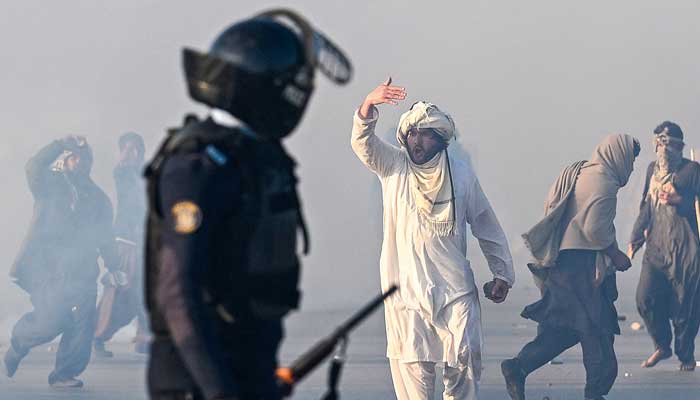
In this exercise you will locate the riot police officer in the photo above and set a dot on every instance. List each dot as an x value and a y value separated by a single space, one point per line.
224 215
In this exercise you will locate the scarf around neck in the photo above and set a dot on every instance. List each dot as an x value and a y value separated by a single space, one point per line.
668 160
432 190
431 185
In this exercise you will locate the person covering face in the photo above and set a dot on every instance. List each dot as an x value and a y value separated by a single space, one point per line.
429 199
575 259
669 283
57 264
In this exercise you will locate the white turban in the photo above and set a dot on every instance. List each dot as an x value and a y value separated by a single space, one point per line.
424 115
431 183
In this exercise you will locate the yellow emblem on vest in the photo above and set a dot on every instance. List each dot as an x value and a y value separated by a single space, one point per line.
187 215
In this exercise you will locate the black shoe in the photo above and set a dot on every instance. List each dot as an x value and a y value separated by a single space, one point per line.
11 362
515 379
70 383
100 351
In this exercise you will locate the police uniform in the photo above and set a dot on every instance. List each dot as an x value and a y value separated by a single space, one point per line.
222 264
221 253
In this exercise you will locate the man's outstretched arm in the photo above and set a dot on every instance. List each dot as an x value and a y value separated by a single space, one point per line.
377 155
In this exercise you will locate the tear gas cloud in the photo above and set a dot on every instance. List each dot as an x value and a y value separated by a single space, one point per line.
532 86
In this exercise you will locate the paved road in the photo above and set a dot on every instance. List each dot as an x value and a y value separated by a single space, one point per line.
367 373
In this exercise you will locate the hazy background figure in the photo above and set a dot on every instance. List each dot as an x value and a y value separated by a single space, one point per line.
531 86
122 297
669 284
57 264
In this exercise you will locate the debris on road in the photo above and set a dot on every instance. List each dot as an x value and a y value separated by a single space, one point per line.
636 326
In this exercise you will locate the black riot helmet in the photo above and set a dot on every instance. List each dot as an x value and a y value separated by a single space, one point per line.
261 70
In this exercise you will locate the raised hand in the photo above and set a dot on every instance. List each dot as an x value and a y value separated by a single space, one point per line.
382 94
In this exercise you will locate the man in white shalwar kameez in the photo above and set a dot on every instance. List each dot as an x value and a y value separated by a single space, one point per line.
429 198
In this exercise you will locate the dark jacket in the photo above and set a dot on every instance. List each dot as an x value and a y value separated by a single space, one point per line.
70 228
131 203
687 182
672 245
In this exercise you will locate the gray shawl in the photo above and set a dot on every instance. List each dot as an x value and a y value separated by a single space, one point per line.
544 239
581 205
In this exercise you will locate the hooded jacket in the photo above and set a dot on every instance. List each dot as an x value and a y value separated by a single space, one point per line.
71 224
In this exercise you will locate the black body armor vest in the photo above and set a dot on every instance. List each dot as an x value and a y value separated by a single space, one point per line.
254 267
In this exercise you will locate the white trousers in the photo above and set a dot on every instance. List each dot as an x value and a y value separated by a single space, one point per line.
416 381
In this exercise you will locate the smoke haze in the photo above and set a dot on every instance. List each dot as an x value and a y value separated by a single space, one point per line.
532 86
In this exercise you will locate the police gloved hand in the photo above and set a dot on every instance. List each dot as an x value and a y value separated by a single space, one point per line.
114 279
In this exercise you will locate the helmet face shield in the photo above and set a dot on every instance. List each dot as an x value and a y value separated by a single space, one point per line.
207 78
331 60
321 52
262 70
271 105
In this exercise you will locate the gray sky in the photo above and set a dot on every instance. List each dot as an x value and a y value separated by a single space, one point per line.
532 87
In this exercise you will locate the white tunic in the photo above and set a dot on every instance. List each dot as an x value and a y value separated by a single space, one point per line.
435 316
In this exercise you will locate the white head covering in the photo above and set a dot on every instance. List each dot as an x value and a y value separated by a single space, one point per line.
431 183
424 115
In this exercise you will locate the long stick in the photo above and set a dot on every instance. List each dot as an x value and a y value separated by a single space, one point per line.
318 353
697 202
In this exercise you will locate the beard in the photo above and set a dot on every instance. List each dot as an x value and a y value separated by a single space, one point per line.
420 155
417 155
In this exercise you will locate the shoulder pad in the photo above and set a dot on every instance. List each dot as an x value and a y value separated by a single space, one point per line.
178 138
